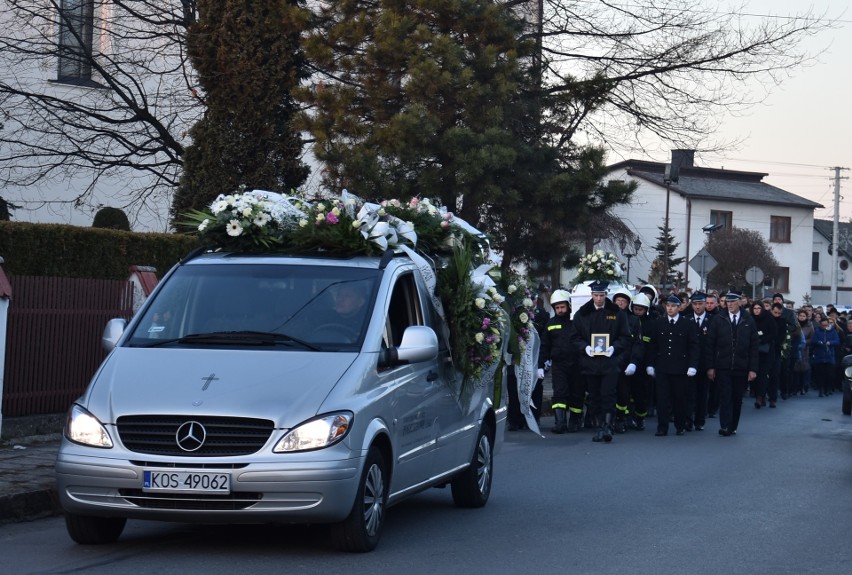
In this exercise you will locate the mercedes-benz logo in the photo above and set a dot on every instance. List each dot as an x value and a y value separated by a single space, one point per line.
190 436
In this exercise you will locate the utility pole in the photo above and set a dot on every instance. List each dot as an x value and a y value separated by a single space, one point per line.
835 233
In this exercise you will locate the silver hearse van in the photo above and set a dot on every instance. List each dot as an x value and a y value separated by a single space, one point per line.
267 388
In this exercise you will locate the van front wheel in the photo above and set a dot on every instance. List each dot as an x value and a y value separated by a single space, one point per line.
472 487
360 532
89 530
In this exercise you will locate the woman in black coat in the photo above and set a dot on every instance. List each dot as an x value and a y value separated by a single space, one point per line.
767 332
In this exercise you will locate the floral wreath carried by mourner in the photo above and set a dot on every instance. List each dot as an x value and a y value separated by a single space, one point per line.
598 265
464 292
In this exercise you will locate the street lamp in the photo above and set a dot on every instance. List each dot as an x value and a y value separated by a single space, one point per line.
622 243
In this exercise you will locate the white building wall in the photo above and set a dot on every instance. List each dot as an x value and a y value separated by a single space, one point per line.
821 278
686 218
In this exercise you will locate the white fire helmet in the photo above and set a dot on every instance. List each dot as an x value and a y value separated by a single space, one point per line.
623 292
652 289
641 299
559 296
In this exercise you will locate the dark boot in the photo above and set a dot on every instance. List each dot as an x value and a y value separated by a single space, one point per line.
620 425
575 422
560 425
607 427
604 431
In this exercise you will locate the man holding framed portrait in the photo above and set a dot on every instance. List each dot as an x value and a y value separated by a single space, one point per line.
601 336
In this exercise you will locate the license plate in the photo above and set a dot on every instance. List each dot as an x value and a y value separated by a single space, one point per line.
186 482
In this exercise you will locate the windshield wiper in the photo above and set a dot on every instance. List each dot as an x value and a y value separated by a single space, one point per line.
236 337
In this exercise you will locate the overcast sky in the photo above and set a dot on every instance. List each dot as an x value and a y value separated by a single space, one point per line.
804 127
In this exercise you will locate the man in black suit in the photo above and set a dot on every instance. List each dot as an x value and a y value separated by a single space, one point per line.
732 342
673 351
698 393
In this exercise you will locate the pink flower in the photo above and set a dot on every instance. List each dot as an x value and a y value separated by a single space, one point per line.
331 218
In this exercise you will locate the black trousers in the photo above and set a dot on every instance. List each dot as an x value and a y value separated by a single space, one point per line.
732 386
696 398
671 399
602 394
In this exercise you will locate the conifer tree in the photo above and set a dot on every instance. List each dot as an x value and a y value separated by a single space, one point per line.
248 59
413 100
668 266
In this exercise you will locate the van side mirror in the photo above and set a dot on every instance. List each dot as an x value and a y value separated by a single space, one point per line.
112 332
419 343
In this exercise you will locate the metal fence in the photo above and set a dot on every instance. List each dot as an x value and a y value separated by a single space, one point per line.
53 339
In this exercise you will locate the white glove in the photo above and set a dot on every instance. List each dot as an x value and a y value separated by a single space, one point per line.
650 371
540 373
631 369
691 372
589 351
609 351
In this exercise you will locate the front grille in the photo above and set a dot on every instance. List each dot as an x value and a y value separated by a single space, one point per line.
231 502
225 436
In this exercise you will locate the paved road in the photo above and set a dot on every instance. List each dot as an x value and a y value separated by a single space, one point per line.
775 499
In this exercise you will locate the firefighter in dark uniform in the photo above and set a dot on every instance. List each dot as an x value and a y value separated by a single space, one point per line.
697 394
640 383
601 318
556 348
673 353
732 342
622 298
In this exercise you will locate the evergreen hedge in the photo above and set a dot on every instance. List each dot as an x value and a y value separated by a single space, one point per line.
71 251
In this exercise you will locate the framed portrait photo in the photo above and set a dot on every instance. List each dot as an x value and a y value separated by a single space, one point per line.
600 343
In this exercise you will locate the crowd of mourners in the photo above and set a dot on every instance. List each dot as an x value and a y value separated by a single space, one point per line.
621 358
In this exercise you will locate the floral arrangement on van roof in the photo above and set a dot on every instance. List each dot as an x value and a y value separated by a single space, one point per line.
257 220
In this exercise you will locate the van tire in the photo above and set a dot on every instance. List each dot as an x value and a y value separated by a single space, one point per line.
360 532
89 530
472 487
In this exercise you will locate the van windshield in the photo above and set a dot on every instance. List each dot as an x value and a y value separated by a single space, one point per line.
264 305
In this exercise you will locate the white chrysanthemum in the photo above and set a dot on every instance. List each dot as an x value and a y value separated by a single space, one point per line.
320 207
480 302
356 224
524 317
261 219
527 302
219 207
246 212
610 272
234 228
203 225
336 211
320 217
479 337
512 288
303 222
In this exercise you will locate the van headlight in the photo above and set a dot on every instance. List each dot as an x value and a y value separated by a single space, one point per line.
83 427
316 433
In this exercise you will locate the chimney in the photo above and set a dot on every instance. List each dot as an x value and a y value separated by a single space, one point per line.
680 159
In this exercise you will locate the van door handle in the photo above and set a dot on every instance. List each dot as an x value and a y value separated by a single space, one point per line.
431 376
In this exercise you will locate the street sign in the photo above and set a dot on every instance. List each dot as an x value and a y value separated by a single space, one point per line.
754 275
703 262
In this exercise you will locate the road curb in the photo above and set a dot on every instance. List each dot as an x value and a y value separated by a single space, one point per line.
29 506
